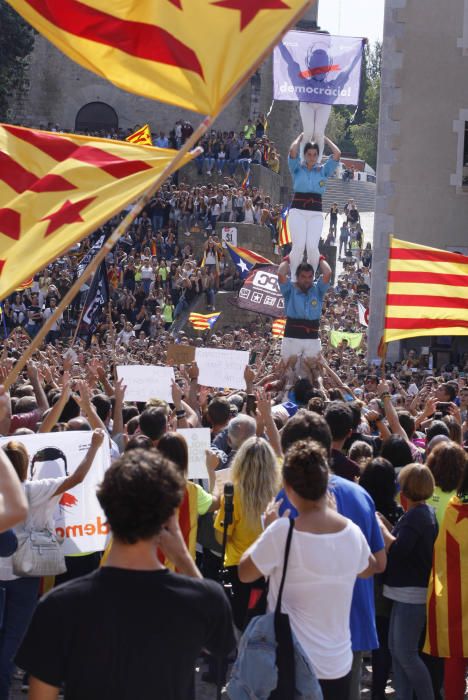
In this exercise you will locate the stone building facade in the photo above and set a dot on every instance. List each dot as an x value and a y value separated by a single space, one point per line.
422 165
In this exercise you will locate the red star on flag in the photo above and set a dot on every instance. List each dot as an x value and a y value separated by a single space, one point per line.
69 213
249 9
177 3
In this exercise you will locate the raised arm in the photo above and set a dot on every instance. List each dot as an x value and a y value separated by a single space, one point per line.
284 270
13 503
41 398
336 153
85 465
294 148
325 269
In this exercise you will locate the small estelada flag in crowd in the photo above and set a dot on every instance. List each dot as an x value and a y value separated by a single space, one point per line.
246 180
427 292
203 322
57 188
363 314
141 136
245 259
96 302
277 329
284 234
447 601
164 49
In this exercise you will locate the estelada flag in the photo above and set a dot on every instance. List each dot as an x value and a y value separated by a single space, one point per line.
447 600
27 284
57 188
141 136
427 292
284 233
278 327
190 53
203 322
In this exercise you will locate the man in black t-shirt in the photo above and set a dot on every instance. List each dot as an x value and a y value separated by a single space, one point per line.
132 629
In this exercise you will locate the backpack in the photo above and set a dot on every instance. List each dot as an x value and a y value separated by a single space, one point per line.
271 664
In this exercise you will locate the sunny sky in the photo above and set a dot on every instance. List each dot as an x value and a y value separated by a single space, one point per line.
352 17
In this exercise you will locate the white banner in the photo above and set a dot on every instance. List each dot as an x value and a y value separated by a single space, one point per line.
146 382
229 235
222 368
198 441
79 518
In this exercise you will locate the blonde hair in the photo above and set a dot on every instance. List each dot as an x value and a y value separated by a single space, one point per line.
256 478
416 482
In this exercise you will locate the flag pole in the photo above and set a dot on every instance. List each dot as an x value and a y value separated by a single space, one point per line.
107 247
143 201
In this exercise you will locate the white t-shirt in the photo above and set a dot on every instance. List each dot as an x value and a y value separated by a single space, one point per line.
317 593
41 503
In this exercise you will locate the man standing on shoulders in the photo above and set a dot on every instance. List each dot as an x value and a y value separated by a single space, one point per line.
303 302
132 629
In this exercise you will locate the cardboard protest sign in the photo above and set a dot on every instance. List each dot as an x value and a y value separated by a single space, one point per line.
146 382
198 441
180 354
222 368
79 519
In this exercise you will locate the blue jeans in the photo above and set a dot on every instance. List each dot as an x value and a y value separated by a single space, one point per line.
245 163
232 166
20 602
157 221
407 622
180 308
210 163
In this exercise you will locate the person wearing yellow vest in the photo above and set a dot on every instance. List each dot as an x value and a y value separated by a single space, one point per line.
168 313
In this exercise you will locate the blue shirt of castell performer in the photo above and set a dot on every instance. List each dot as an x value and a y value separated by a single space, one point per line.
304 305
314 180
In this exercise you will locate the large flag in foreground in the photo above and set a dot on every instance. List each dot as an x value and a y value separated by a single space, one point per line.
447 601
189 53
57 188
427 292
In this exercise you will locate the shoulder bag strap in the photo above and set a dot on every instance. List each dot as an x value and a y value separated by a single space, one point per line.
285 565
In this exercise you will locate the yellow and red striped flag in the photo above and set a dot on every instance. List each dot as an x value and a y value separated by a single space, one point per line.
427 292
27 284
56 188
447 600
277 329
141 136
164 49
203 322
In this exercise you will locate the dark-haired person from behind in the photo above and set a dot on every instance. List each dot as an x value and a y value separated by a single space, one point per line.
132 629
328 552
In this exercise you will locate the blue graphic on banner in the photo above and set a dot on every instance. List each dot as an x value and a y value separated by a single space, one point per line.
320 68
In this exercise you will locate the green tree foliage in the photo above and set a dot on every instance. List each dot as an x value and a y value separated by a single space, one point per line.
356 131
16 43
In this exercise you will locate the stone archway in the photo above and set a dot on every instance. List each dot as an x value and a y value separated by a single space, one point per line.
96 116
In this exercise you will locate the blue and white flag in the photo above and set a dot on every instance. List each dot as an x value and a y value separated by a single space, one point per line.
315 67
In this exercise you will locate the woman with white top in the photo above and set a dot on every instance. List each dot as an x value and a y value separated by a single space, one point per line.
249 212
328 552
21 593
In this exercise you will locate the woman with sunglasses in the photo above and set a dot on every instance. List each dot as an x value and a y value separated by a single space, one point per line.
21 593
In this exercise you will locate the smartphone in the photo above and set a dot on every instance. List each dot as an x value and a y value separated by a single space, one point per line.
253 357
443 407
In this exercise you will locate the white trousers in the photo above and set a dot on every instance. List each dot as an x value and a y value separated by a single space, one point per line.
300 346
314 122
306 229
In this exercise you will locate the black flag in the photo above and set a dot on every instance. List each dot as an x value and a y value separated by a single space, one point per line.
96 300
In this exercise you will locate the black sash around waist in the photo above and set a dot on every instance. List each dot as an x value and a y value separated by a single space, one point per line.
301 328
310 201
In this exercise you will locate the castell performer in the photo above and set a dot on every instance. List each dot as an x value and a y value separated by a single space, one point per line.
303 302
305 213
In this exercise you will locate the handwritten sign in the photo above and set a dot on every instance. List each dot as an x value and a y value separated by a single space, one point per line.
222 368
198 441
145 382
180 354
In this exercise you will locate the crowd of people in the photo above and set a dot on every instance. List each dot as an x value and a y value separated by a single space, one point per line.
359 470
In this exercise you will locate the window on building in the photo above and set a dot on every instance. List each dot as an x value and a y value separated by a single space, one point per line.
460 178
96 116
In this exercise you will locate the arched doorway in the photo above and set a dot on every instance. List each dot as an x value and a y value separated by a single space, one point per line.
96 116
